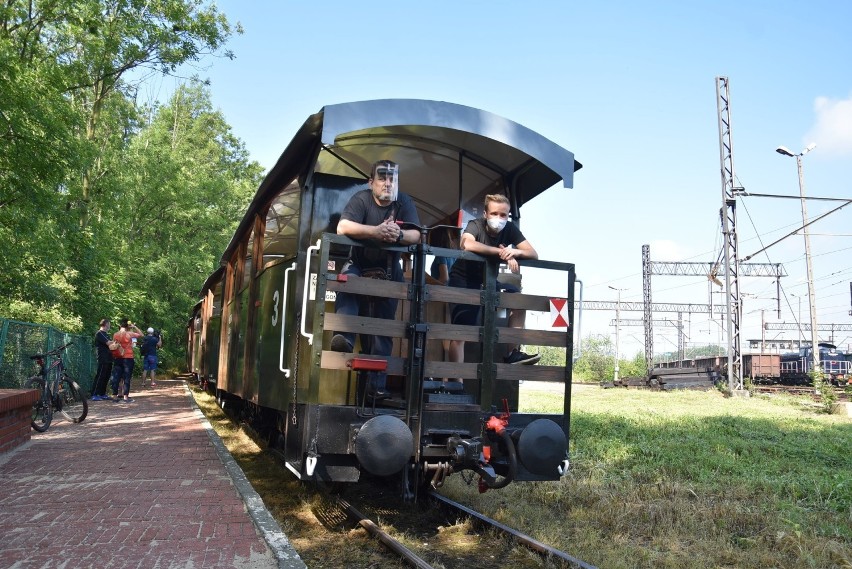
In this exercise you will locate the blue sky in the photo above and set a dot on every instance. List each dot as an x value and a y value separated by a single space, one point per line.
629 87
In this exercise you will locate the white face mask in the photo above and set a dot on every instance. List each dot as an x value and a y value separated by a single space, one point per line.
496 224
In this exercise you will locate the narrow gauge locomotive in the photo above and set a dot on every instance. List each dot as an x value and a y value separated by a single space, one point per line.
260 335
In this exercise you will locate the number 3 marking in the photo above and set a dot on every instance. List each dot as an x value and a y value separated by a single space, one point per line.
275 298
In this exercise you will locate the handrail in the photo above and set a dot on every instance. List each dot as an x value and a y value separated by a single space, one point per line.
281 367
459 295
305 333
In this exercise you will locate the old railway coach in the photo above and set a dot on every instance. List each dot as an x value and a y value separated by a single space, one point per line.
261 334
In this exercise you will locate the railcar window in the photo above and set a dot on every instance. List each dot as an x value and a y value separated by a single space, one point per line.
282 224
217 300
247 263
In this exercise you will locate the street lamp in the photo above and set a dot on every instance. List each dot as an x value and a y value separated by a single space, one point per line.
617 328
811 298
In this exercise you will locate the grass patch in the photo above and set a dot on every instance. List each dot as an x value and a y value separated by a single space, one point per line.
689 479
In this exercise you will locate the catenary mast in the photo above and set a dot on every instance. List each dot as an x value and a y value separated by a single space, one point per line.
728 214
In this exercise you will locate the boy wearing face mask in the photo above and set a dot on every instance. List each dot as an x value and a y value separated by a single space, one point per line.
493 235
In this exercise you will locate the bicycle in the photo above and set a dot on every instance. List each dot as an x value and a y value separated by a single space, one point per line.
59 392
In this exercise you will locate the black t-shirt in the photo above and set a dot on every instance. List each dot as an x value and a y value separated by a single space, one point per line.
363 209
471 272
101 340
149 345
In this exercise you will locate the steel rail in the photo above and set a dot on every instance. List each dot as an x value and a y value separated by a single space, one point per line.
382 536
518 536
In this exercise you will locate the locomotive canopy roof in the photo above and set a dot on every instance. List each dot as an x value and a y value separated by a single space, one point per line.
439 146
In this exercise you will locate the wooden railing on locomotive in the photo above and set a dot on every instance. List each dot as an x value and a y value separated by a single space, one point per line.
496 380
336 384
440 328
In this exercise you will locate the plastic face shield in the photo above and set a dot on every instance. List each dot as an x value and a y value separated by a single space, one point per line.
387 178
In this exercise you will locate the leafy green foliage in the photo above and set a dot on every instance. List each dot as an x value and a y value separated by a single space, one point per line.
109 209
189 183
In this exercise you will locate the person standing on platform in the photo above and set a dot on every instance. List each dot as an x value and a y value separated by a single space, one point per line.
150 344
124 361
99 384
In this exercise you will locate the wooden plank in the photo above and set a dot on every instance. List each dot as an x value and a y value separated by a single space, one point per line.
397 366
530 372
365 325
532 337
505 335
438 331
525 301
449 369
397 328
436 293
370 287
434 368
340 361
472 296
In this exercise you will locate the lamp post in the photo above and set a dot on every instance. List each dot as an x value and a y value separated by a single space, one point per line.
617 328
811 299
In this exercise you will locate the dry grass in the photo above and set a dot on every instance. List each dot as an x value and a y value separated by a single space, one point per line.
316 530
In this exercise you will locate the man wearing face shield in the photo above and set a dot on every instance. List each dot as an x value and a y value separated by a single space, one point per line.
371 216
493 235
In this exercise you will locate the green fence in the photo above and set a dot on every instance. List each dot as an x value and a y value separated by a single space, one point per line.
20 340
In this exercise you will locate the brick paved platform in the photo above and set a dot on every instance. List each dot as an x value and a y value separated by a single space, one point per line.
146 484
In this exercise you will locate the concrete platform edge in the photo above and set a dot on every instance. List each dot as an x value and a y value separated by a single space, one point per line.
275 538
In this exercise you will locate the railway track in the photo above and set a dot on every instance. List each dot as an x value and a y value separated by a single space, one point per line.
545 550
547 553
334 512
806 390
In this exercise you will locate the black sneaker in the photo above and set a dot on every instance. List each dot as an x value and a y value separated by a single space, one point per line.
516 356
339 343
377 394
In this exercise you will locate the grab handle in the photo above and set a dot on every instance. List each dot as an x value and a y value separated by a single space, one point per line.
283 316
316 247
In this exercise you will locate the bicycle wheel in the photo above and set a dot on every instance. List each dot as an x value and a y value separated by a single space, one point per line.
71 400
42 409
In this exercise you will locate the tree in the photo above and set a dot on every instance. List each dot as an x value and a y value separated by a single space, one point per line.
185 182
596 361
635 367
103 41
41 154
72 201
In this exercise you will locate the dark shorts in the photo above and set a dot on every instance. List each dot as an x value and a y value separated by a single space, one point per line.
149 363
